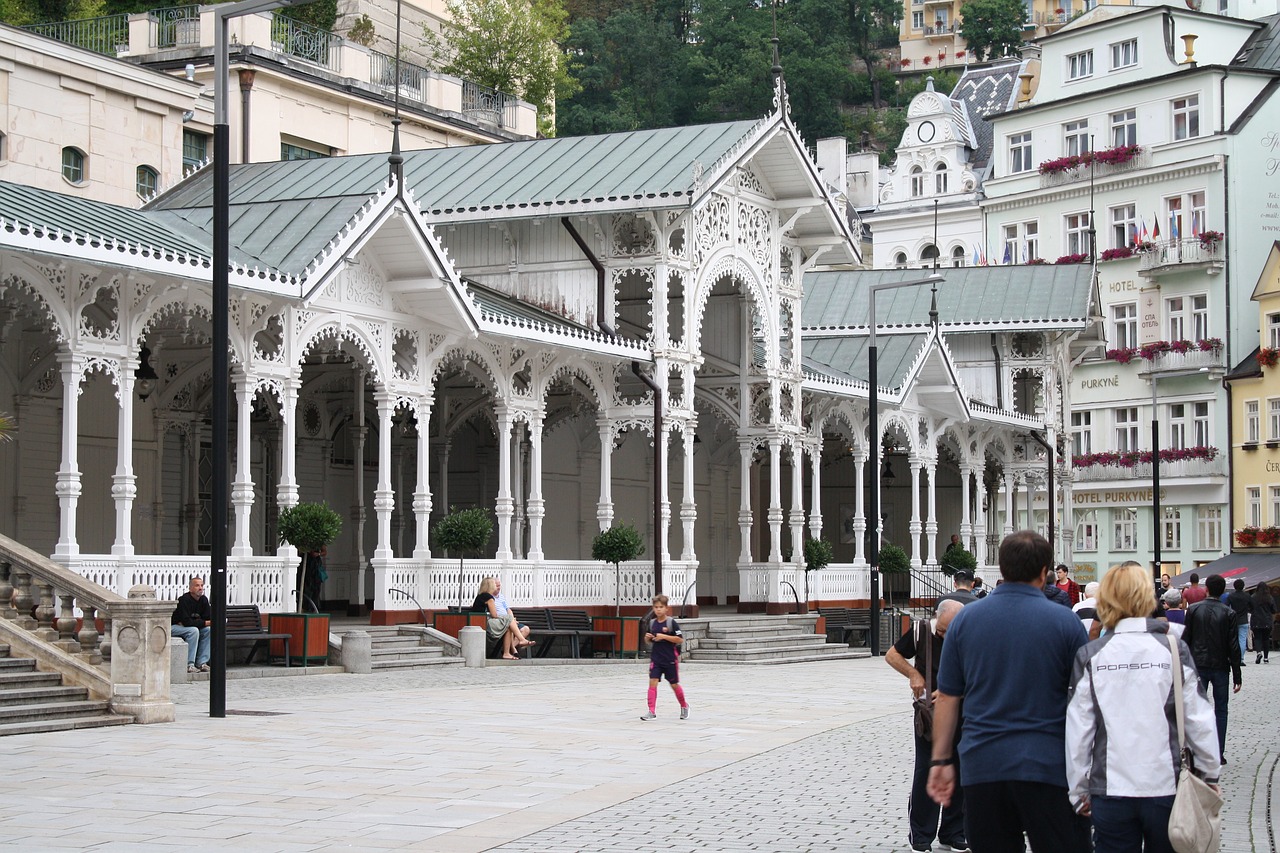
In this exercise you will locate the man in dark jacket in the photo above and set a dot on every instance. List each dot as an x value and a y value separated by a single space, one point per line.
191 620
1215 645
1241 603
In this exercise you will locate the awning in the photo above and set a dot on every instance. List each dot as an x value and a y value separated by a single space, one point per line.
1253 569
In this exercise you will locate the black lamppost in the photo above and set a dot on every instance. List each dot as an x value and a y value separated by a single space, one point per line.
873 500
221 341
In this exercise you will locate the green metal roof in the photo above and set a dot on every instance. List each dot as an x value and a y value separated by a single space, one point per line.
969 297
846 358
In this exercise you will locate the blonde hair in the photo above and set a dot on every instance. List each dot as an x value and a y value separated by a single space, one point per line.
488 585
1126 591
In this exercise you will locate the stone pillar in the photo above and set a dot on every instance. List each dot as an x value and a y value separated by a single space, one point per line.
124 485
357 652
287 488
422 493
744 505
931 521
505 505
384 496
1008 503
915 526
860 508
604 508
663 446
242 485
775 500
815 491
140 657
796 519
68 482
537 506
689 506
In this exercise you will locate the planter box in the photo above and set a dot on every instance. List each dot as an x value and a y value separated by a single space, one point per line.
452 623
310 637
629 630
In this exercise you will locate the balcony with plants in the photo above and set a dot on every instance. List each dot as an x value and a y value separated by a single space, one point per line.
1257 537
1160 357
1175 462
1207 251
1078 167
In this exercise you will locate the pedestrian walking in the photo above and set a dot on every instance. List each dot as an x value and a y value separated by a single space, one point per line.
665 639
1263 619
1215 646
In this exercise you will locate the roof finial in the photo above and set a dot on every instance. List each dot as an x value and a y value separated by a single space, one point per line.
395 161
777 61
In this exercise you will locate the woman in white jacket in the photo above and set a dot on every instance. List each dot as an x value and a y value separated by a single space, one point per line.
1122 737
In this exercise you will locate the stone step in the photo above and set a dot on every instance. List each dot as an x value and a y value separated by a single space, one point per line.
839 655
30 695
783 654
63 724
52 710
784 630
395 641
764 643
8 664
28 679
384 665
405 653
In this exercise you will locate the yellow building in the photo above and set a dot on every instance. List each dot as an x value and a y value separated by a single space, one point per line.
1254 388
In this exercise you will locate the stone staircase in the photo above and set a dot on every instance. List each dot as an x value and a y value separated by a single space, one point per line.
405 647
760 639
32 701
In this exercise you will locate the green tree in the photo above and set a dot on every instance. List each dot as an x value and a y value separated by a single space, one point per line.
894 560
871 26
617 545
20 13
958 558
463 531
512 46
818 554
308 527
993 28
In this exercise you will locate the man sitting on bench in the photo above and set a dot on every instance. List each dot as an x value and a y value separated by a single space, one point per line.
191 620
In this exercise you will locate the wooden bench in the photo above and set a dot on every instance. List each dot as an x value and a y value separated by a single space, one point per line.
539 621
583 626
845 624
244 625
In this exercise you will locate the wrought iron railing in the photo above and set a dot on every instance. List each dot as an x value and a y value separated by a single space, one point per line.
175 26
107 35
1188 250
413 78
490 106
307 43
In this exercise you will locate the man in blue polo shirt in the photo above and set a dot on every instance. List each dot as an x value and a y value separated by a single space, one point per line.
1008 660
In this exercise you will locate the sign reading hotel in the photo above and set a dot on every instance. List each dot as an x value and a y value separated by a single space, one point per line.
1148 315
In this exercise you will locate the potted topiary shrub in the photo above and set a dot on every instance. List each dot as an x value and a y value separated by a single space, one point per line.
310 528
463 531
617 545
894 561
818 554
956 559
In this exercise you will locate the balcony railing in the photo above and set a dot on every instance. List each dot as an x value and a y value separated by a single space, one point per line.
942 29
482 104
1188 250
305 42
1053 19
176 26
1191 360
1140 160
1142 470
413 78
108 35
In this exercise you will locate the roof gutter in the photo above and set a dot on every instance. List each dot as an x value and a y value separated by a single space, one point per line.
657 403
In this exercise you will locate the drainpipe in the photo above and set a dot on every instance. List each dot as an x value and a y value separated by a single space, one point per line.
246 87
995 348
657 403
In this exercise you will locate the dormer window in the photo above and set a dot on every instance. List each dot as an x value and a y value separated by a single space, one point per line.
1080 65
940 179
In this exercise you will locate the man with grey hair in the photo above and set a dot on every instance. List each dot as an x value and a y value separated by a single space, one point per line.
1175 611
922 811
1087 607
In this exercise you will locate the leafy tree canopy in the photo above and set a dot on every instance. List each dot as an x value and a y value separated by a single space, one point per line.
512 46
463 531
617 545
309 526
993 28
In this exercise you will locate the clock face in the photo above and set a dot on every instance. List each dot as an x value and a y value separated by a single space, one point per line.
925 131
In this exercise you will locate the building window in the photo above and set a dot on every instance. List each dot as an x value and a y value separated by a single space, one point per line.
1124 128
1077 225
1087 532
1124 54
1275 505
1126 429
900 261
1208 528
1124 225
1200 424
928 255
1178 425
195 151
957 256
1020 159
1081 433
1124 530
917 20
1199 317
940 179
148 182
1021 241
289 151
1252 422
1080 65
1186 117
1253 495
1076 140
917 181
1273 417
4 148
1273 330
1176 208
1175 321
73 165
1171 528
1124 325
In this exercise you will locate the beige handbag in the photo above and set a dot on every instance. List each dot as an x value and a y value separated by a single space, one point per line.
1195 823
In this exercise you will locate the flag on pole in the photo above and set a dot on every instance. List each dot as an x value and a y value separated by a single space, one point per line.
1155 235
1173 224
1145 234
977 259
1024 253
1133 234
1195 223
982 261
1008 255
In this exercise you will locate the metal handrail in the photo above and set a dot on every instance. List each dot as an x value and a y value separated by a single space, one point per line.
685 599
421 612
794 595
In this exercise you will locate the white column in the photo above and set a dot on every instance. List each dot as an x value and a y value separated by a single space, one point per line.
966 509
815 491
980 512
775 500
537 506
915 527
68 482
384 496
1008 503
931 522
744 505
287 488
664 509
422 494
505 504
689 508
860 508
604 508
520 454
358 514
124 486
796 518
242 485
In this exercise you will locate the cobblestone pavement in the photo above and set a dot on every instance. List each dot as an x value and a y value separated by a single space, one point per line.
807 757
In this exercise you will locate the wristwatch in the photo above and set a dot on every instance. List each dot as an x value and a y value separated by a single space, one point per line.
942 762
